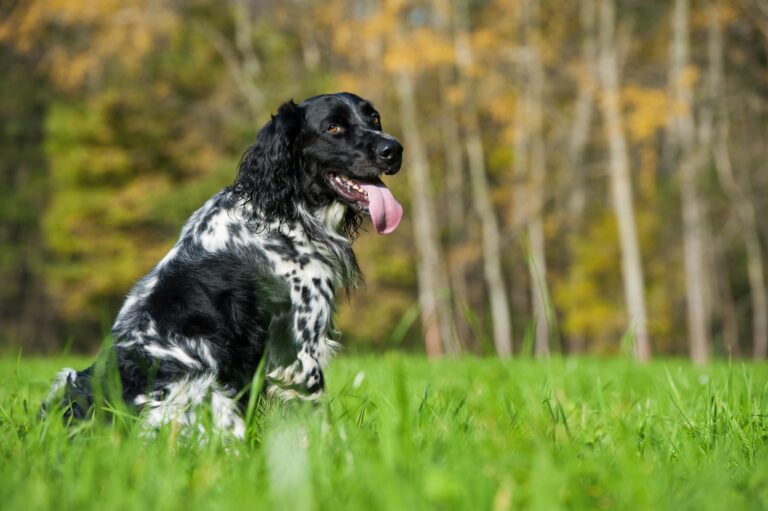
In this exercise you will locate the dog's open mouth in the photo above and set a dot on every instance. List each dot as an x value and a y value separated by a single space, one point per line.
371 196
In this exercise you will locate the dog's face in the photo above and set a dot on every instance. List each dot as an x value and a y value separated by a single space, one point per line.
328 148
345 149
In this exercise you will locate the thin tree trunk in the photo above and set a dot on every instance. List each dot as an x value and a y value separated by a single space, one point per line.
494 277
542 309
726 303
241 71
737 193
456 230
454 185
244 39
621 184
689 162
435 318
583 115
579 136
756 274
695 268
530 130
746 216
523 300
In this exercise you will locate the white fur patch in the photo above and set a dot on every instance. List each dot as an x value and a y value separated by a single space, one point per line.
183 401
216 235
62 378
172 352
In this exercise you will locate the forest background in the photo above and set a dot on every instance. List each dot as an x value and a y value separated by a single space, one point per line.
579 176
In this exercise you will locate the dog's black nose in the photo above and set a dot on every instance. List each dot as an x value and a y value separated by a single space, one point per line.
390 152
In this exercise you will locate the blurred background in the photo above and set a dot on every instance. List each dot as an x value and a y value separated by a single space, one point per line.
579 177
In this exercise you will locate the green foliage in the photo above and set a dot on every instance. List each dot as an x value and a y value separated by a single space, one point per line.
24 188
127 170
399 432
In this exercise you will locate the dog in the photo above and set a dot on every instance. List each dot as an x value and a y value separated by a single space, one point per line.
253 274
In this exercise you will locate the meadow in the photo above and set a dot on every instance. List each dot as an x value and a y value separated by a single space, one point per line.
400 432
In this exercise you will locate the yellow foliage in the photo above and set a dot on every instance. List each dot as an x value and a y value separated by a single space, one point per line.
504 105
688 77
418 49
485 40
102 32
649 162
454 95
348 81
647 110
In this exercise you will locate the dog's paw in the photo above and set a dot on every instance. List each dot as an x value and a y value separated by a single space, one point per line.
302 379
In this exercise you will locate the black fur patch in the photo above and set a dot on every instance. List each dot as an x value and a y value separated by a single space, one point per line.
236 287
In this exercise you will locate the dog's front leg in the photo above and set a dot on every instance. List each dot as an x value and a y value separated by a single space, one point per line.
293 369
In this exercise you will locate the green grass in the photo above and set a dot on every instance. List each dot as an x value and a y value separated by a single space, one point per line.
398 432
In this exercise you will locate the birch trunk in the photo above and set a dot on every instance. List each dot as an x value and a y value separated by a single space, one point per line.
530 129
435 318
494 277
621 184
689 163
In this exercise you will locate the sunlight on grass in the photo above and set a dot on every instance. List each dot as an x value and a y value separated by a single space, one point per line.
400 432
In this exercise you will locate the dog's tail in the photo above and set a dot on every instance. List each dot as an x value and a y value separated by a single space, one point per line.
72 393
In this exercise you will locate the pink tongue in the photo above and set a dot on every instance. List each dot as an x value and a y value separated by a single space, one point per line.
386 212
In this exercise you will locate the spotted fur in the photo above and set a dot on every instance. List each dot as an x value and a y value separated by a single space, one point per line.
253 274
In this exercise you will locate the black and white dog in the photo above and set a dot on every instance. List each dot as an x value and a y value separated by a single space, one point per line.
253 273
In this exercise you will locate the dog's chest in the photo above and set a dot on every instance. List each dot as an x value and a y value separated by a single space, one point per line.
304 268
310 281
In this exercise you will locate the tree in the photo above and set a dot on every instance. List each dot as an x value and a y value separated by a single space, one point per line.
621 184
530 167
691 158
26 315
494 278
736 186
433 286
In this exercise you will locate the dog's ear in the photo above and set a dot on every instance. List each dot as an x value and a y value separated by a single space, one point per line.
268 175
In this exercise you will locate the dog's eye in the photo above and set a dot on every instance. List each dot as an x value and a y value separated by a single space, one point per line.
334 129
376 120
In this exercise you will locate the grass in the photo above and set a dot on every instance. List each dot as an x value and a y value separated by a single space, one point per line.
399 432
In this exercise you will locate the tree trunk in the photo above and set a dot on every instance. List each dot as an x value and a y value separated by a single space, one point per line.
737 192
748 226
540 290
435 318
456 212
579 136
529 148
494 278
582 119
621 184
689 162
726 303
454 185
241 63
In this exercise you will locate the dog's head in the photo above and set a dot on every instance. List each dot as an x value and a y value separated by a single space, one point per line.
330 148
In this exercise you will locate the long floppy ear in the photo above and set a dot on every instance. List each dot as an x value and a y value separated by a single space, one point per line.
268 175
